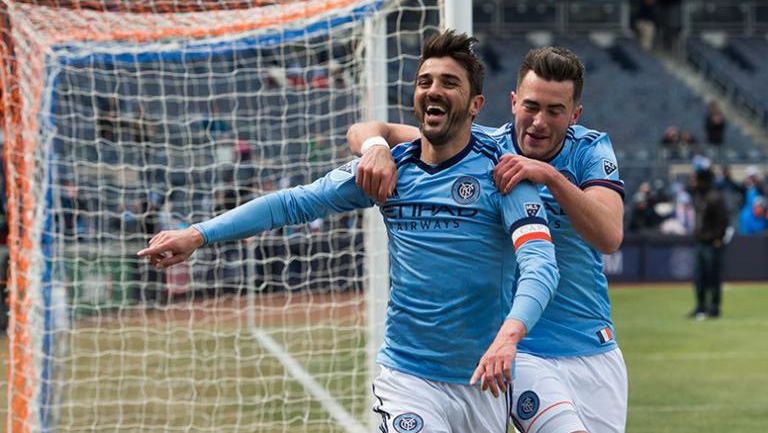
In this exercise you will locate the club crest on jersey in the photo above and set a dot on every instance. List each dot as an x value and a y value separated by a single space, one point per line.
408 423
342 173
527 405
609 166
465 190
532 209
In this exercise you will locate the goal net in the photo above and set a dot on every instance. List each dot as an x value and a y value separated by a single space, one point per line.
125 118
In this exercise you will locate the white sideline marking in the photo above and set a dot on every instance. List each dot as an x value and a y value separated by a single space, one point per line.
701 356
344 418
696 407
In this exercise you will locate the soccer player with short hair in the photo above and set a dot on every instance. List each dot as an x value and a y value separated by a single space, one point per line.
452 316
570 374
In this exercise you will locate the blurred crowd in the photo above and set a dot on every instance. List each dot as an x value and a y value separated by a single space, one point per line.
660 206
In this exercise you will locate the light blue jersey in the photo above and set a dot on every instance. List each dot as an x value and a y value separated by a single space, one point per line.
456 249
578 320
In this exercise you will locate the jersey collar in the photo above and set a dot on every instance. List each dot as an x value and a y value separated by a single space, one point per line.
432 169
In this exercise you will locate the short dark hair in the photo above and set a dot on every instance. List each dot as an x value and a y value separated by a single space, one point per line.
554 64
459 47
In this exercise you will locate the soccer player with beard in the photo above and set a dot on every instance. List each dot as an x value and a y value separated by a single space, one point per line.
452 316
570 374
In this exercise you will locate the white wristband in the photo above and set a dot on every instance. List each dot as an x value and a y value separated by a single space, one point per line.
373 141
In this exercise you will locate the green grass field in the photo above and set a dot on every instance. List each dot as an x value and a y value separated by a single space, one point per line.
685 376
688 376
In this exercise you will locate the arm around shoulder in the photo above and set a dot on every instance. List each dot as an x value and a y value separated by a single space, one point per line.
392 133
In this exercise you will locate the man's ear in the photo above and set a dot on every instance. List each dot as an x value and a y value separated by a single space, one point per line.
576 114
477 104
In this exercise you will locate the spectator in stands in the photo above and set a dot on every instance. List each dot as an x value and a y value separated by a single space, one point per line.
643 216
107 116
714 124
753 218
295 75
678 144
670 20
215 123
671 136
275 75
489 54
733 193
681 221
709 233
645 23
687 144
688 139
243 148
73 207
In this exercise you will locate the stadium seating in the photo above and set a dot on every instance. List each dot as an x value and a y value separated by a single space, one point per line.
734 67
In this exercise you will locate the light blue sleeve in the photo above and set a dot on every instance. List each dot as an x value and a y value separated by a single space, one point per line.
335 192
597 166
538 275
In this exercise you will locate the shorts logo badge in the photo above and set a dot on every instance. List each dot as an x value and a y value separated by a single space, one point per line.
408 423
527 405
608 166
532 209
465 190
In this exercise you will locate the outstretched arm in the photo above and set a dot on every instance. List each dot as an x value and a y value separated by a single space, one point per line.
377 174
336 192
170 247
392 133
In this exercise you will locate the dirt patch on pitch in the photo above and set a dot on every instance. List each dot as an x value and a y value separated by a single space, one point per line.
263 310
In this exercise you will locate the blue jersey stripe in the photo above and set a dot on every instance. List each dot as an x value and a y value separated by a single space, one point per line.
489 155
525 221
615 185
490 146
402 152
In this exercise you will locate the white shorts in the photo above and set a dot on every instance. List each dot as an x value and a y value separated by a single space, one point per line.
563 395
409 404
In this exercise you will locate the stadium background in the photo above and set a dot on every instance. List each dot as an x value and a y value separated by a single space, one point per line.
685 376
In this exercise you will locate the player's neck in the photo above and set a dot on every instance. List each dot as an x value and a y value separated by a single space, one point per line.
435 155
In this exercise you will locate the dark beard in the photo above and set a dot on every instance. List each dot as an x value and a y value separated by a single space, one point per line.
436 138
441 137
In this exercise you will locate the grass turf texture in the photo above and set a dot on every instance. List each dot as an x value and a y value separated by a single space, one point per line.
685 376
689 376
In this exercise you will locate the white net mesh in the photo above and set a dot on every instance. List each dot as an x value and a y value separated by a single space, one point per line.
120 124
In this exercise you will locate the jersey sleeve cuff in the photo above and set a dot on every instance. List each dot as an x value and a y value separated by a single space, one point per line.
527 310
199 227
615 185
